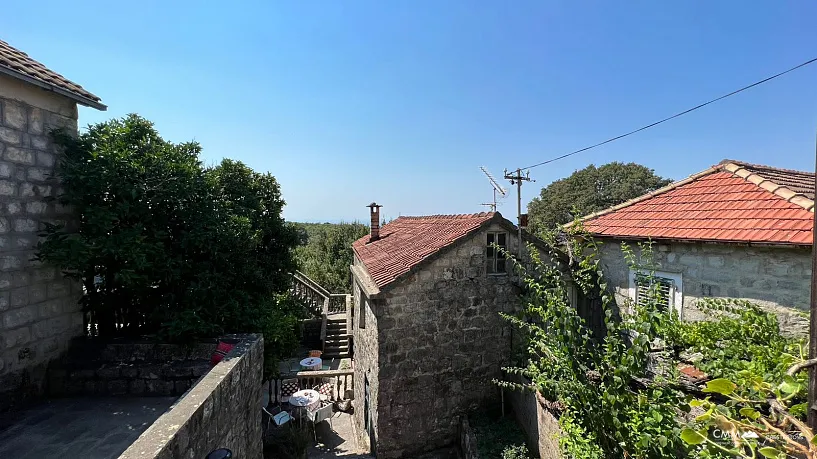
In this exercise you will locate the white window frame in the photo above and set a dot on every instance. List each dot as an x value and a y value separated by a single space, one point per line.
677 296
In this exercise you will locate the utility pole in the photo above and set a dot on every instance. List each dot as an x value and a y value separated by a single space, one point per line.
812 342
517 178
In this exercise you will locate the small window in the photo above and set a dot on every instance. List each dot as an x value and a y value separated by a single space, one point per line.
496 262
668 288
364 307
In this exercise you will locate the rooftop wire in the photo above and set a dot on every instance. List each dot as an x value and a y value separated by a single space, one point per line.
612 139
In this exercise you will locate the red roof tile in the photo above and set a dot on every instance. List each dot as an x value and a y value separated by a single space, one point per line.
731 202
19 65
407 241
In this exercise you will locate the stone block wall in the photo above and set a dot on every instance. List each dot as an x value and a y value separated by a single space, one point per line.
776 278
223 410
539 424
441 342
39 313
137 369
366 365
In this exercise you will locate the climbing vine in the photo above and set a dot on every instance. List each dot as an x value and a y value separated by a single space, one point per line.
620 394
606 408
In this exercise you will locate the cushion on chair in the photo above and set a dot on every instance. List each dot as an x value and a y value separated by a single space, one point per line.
325 389
289 388
221 351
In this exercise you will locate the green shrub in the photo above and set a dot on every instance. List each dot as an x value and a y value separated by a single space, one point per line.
169 247
515 452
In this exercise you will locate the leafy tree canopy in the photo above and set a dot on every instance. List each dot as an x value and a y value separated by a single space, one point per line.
166 246
590 190
325 253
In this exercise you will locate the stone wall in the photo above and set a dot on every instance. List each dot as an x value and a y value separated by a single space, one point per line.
441 342
539 424
366 365
223 410
129 369
776 278
39 313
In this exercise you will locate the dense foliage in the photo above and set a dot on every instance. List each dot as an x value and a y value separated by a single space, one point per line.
760 400
592 378
613 403
498 436
167 246
325 253
589 190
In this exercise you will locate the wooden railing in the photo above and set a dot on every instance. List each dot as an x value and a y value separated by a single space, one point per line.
313 295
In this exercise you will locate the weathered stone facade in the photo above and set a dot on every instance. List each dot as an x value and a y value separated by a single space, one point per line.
223 410
777 278
431 345
39 313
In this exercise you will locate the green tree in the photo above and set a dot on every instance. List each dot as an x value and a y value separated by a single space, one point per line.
327 253
168 247
590 190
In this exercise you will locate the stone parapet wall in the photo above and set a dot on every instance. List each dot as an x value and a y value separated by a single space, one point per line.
129 369
223 410
538 422
776 278
39 312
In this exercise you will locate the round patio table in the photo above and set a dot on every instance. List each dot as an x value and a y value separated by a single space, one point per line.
312 363
306 398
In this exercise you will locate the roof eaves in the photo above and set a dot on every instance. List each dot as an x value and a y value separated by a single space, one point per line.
703 241
773 187
50 87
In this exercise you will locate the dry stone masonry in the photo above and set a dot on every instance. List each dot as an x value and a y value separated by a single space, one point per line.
39 313
440 341
776 278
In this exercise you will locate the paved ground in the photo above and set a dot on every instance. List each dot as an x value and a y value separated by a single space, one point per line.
90 428
336 440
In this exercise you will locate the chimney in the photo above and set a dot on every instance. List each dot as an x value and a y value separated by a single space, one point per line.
374 210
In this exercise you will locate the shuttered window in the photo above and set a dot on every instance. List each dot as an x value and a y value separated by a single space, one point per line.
665 290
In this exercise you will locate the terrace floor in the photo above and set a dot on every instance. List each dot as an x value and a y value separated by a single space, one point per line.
86 427
337 440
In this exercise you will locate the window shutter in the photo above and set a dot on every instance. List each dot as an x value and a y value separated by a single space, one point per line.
666 290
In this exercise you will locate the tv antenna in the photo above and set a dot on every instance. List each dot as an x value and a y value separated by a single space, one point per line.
497 189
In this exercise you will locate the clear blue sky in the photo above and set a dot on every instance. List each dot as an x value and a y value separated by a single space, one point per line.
347 102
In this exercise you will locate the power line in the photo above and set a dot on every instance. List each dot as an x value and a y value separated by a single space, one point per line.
673 116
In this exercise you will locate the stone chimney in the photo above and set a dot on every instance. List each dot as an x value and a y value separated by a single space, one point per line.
374 210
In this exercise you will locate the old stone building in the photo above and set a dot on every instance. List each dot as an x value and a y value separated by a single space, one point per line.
735 230
428 337
39 313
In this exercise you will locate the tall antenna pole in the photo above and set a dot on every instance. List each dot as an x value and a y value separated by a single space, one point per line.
496 186
517 178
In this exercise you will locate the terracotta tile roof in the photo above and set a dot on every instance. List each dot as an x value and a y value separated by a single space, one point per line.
797 181
407 241
19 65
730 202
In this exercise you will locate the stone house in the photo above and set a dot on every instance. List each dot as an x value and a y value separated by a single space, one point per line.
428 337
735 230
39 313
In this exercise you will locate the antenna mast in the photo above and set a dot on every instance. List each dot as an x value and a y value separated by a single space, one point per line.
496 186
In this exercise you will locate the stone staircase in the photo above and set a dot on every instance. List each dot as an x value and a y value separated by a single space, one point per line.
337 343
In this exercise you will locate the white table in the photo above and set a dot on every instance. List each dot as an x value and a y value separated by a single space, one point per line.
313 363
306 398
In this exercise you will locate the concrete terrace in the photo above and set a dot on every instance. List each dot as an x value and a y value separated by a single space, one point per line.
87 427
